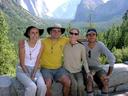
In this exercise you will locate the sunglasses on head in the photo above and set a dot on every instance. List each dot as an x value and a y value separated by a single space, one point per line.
71 33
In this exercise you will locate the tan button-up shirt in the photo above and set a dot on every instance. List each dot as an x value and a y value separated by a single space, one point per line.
75 57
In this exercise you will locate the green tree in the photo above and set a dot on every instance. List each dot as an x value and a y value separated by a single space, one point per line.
112 37
7 53
124 30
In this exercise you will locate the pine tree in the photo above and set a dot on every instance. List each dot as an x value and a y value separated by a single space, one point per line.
124 29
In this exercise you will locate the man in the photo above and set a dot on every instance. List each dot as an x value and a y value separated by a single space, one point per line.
51 60
74 52
94 50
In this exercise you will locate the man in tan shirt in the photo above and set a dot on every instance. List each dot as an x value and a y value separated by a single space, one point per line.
74 58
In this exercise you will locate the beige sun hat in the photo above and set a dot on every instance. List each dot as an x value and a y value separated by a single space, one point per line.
59 26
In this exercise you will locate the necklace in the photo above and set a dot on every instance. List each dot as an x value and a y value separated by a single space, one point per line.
31 50
30 55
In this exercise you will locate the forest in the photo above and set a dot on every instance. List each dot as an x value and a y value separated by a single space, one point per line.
115 38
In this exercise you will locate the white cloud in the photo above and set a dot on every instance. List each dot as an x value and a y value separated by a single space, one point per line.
105 1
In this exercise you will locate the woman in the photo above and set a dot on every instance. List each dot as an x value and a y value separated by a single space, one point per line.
28 72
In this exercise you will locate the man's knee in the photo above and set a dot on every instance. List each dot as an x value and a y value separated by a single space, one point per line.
74 86
105 81
81 87
48 83
65 80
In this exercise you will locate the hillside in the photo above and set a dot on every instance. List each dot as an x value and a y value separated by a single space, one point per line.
18 19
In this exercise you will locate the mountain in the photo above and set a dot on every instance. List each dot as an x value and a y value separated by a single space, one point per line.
47 9
66 10
91 4
104 12
76 10
85 8
18 19
35 7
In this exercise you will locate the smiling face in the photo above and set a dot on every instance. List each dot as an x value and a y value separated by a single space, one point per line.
34 34
91 36
55 33
73 35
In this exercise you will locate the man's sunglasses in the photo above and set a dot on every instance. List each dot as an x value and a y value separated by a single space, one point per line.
89 54
71 33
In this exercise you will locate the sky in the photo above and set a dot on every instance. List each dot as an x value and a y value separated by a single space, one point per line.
105 0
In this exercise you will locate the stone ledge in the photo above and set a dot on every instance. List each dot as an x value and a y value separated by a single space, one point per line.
5 86
118 82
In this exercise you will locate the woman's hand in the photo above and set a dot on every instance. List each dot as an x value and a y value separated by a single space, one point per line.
89 76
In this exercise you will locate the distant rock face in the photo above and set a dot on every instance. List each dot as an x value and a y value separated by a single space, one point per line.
118 82
103 12
35 7
98 10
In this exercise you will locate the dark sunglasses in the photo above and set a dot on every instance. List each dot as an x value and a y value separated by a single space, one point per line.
71 33
89 54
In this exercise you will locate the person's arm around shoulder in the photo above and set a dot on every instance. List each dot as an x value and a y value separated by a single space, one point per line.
37 65
65 39
22 56
82 40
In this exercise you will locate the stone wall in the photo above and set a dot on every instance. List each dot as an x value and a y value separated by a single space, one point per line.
118 82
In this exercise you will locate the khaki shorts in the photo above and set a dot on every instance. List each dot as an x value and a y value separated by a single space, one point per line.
97 73
95 70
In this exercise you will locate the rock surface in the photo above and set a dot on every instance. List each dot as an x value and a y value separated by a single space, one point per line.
5 86
118 82
119 77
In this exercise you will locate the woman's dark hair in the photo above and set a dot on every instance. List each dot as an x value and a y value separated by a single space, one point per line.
29 28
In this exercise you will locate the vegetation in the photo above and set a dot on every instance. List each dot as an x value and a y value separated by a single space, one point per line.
7 52
116 39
